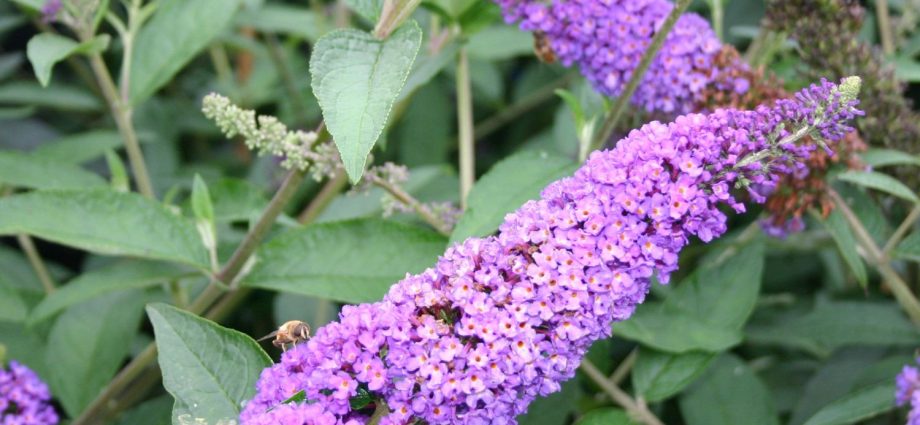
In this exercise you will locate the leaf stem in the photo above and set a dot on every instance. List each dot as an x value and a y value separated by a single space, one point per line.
38 265
637 410
121 112
877 258
718 11
901 231
885 31
619 105
465 126
421 209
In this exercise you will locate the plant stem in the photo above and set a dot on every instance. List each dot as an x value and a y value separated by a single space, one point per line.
623 369
901 231
121 112
421 209
324 197
877 258
718 19
28 246
637 410
465 126
619 105
211 293
506 115
885 31
380 412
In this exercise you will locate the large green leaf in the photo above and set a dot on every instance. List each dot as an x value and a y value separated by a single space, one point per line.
26 345
846 243
157 411
55 96
356 79
79 148
47 49
105 222
856 406
729 394
676 332
836 377
87 345
606 416
280 18
881 182
13 308
120 276
31 171
177 32
836 324
909 248
208 369
555 408
877 157
708 310
508 185
350 261
658 375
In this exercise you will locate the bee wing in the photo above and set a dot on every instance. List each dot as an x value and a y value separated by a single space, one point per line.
271 335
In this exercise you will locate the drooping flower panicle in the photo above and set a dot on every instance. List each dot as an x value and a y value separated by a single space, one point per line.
502 320
24 398
908 392
607 38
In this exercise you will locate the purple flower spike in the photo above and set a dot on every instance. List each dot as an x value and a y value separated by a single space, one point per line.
607 38
50 10
502 320
908 391
24 398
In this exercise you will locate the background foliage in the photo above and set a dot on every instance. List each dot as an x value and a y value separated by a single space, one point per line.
753 330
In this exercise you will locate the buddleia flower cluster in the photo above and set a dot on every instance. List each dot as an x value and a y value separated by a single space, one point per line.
908 392
827 32
501 320
266 134
24 398
607 38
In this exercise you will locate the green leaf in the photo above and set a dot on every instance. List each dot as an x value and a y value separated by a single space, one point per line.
479 15
729 394
350 261
105 222
119 175
837 377
79 148
846 243
500 43
208 369
356 79
857 406
658 375
55 96
119 276
236 200
87 345
555 408
907 69
201 201
708 310
675 332
47 49
177 32
878 157
508 185
34 172
361 399
367 9
157 411
606 416
881 182
832 325
26 345
285 19
909 248
12 307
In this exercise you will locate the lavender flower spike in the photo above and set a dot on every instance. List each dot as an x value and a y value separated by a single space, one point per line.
24 398
908 391
502 320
